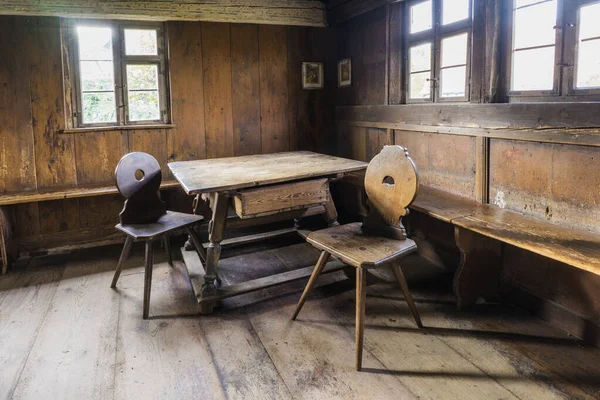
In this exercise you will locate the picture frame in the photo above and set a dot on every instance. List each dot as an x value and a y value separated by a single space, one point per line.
312 75
345 72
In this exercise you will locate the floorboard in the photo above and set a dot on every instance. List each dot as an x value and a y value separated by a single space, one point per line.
22 313
65 334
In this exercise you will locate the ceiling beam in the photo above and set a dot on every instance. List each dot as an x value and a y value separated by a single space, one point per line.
341 10
274 12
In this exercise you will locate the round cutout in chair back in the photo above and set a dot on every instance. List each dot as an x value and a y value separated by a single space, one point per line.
136 171
391 182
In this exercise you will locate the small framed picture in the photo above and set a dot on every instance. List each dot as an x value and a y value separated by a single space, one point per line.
312 75
345 72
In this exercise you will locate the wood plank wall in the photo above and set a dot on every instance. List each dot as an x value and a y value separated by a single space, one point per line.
554 181
235 90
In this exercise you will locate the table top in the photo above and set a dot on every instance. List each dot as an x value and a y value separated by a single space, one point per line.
230 173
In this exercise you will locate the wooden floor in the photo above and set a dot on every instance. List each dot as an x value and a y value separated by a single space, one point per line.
65 334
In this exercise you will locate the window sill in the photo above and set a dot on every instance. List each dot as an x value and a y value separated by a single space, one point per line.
116 128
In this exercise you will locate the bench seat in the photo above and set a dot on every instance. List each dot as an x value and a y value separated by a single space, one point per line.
35 196
480 229
576 247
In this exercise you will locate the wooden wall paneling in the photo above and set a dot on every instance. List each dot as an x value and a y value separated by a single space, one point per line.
482 169
395 59
97 155
358 143
353 8
188 140
417 145
374 58
54 152
246 89
100 210
151 141
492 74
478 51
375 140
17 156
26 220
218 113
300 101
274 88
58 215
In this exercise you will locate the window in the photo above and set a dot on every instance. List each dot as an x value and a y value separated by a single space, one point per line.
118 74
438 43
555 48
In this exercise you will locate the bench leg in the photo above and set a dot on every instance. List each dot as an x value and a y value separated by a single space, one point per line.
148 278
124 255
361 298
478 273
311 281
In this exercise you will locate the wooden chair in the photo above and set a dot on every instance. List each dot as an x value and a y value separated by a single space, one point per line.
391 184
145 217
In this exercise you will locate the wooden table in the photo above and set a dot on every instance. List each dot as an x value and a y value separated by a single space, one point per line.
289 185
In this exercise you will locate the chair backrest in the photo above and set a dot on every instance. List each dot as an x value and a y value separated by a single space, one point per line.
138 179
391 183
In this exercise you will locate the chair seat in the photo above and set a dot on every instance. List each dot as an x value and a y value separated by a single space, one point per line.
349 244
169 222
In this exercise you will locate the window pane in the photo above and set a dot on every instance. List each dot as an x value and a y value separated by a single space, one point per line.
588 21
142 77
97 75
98 107
533 69
420 57
588 64
454 50
143 106
95 43
420 87
453 82
454 10
421 17
140 42
534 25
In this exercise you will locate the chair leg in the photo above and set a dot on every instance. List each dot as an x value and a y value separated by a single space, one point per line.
196 243
311 282
124 255
361 297
167 244
409 299
148 278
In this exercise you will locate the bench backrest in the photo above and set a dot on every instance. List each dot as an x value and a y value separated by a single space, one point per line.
138 179
391 183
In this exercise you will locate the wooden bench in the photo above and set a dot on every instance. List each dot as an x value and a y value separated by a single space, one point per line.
480 229
108 234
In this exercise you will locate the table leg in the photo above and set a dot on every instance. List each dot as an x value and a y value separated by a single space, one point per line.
215 229
331 214
189 245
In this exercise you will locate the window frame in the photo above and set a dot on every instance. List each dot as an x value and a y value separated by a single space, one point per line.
120 62
565 58
435 35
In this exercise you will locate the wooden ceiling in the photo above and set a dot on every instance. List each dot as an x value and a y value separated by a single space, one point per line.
275 12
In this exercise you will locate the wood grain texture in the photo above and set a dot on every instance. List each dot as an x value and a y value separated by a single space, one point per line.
54 155
97 155
245 77
274 111
216 52
188 140
282 197
25 306
288 12
17 155
206 176
349 244
151 141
